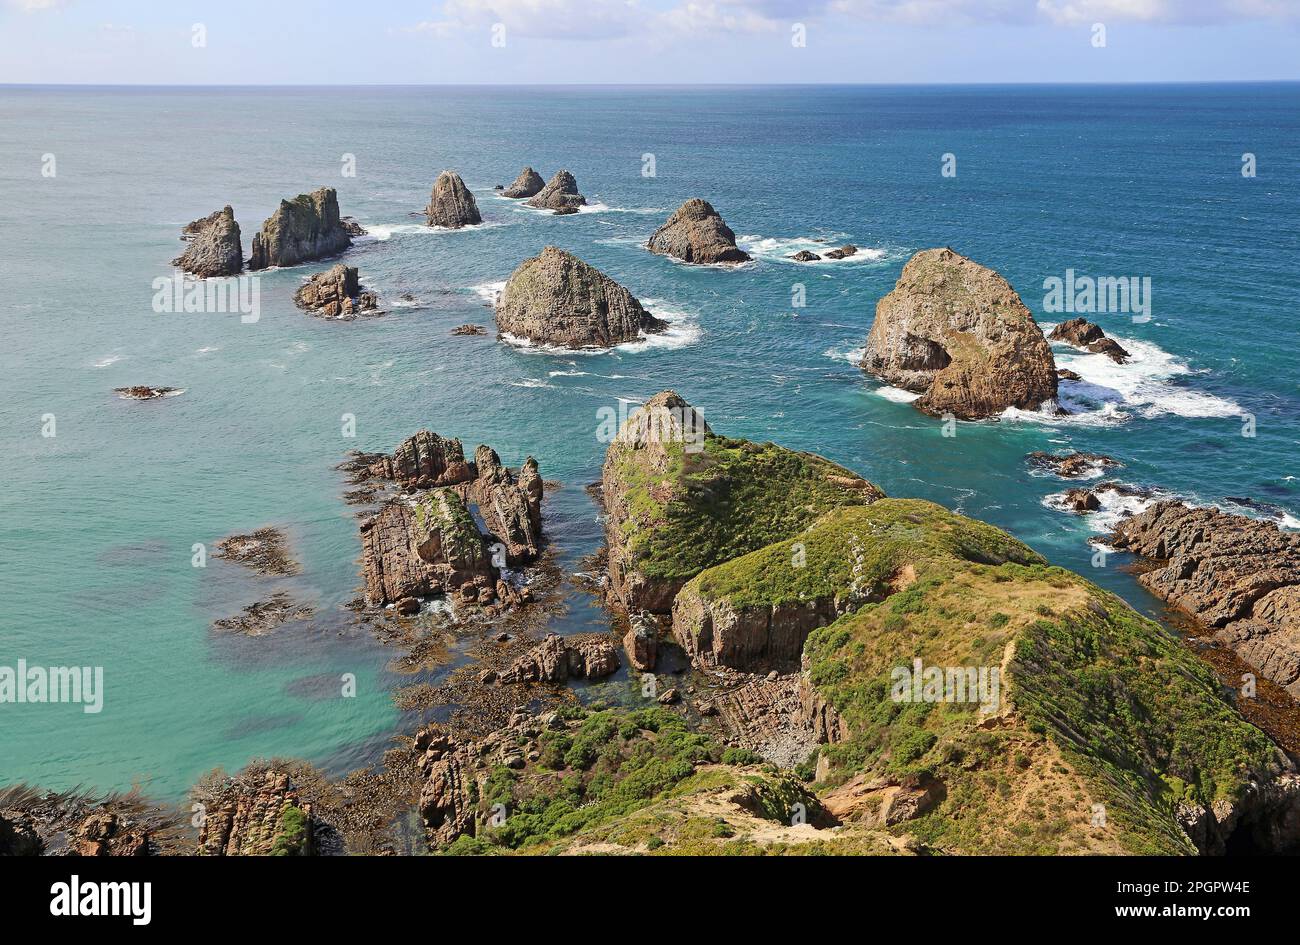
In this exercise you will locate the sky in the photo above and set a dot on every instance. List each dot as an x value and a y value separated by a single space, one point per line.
294 42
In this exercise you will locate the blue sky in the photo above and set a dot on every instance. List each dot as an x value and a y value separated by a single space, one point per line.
646 41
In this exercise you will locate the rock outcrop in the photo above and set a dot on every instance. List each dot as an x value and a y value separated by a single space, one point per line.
560 194
265 551
557 299
450 791
958 334
678 499
424 461
255 814
451 205
1238 576
1074 464
557 659
805 256
641 642
529 183
215 248
844 252
1084 334
142 392
336 293
695 233
302 229
511 507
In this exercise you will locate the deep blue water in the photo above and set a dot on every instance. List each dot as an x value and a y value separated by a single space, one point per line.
97 523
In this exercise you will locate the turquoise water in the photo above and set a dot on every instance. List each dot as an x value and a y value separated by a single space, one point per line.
97 523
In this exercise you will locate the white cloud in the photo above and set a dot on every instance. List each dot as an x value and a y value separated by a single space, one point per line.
539 19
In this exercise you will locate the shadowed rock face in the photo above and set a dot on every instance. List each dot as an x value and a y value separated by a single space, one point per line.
1237 575
558 299
451 205
215 248
300 230
958 334
529 183
695 233
560 194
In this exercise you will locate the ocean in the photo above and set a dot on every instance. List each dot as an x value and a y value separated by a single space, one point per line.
98 522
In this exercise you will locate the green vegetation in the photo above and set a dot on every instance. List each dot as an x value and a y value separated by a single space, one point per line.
292 838
730 498
441 514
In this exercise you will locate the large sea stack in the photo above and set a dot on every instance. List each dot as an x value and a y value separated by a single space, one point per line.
560 194
215 248
957 333
302 229
529 183
451 205
695 233
557 299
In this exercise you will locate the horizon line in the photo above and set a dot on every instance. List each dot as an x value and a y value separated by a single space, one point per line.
635 85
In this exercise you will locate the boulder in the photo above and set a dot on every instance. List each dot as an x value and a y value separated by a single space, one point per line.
695 233
305 228
557 299
215 248
1084 334
451 205
560 194
848 249
1238 576
469 330
1073 464
805 256
641 642
143 392
958 334
336 293
529 183
557 658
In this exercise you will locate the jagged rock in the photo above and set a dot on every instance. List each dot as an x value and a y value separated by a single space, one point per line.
305 228
511 509
1072 465
265 551
18 837
1083 500
447 799
336 293
848 249
957 333
215 248
763 715
425 460
560 194
244 816
351 227
559 658
641 642
1066 374
714 633
451 205
805 256
426 546
695 233
669 696
1239 576
529 183
469 330
1084 334
103 834
141 392
556 298
264 616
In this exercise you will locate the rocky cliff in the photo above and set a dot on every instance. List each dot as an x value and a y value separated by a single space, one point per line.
529 183
958 334
560 194
696 233
1238 576
557 299
302 229
451 205
215 248
257 813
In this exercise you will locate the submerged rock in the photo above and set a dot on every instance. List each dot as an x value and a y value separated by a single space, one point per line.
264 616
696 233
451 205
1238 576
469 330
529 183
142 392
1073 464
305 228
805 256
958 334
848 249
1084 334
215 248
560 194
264 551
557 299
336 293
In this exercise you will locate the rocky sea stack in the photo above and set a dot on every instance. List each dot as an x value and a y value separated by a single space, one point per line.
336 293
958 334
215 248
560 194
529 183
1084 334
695 233
451 205
557 299
302 229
